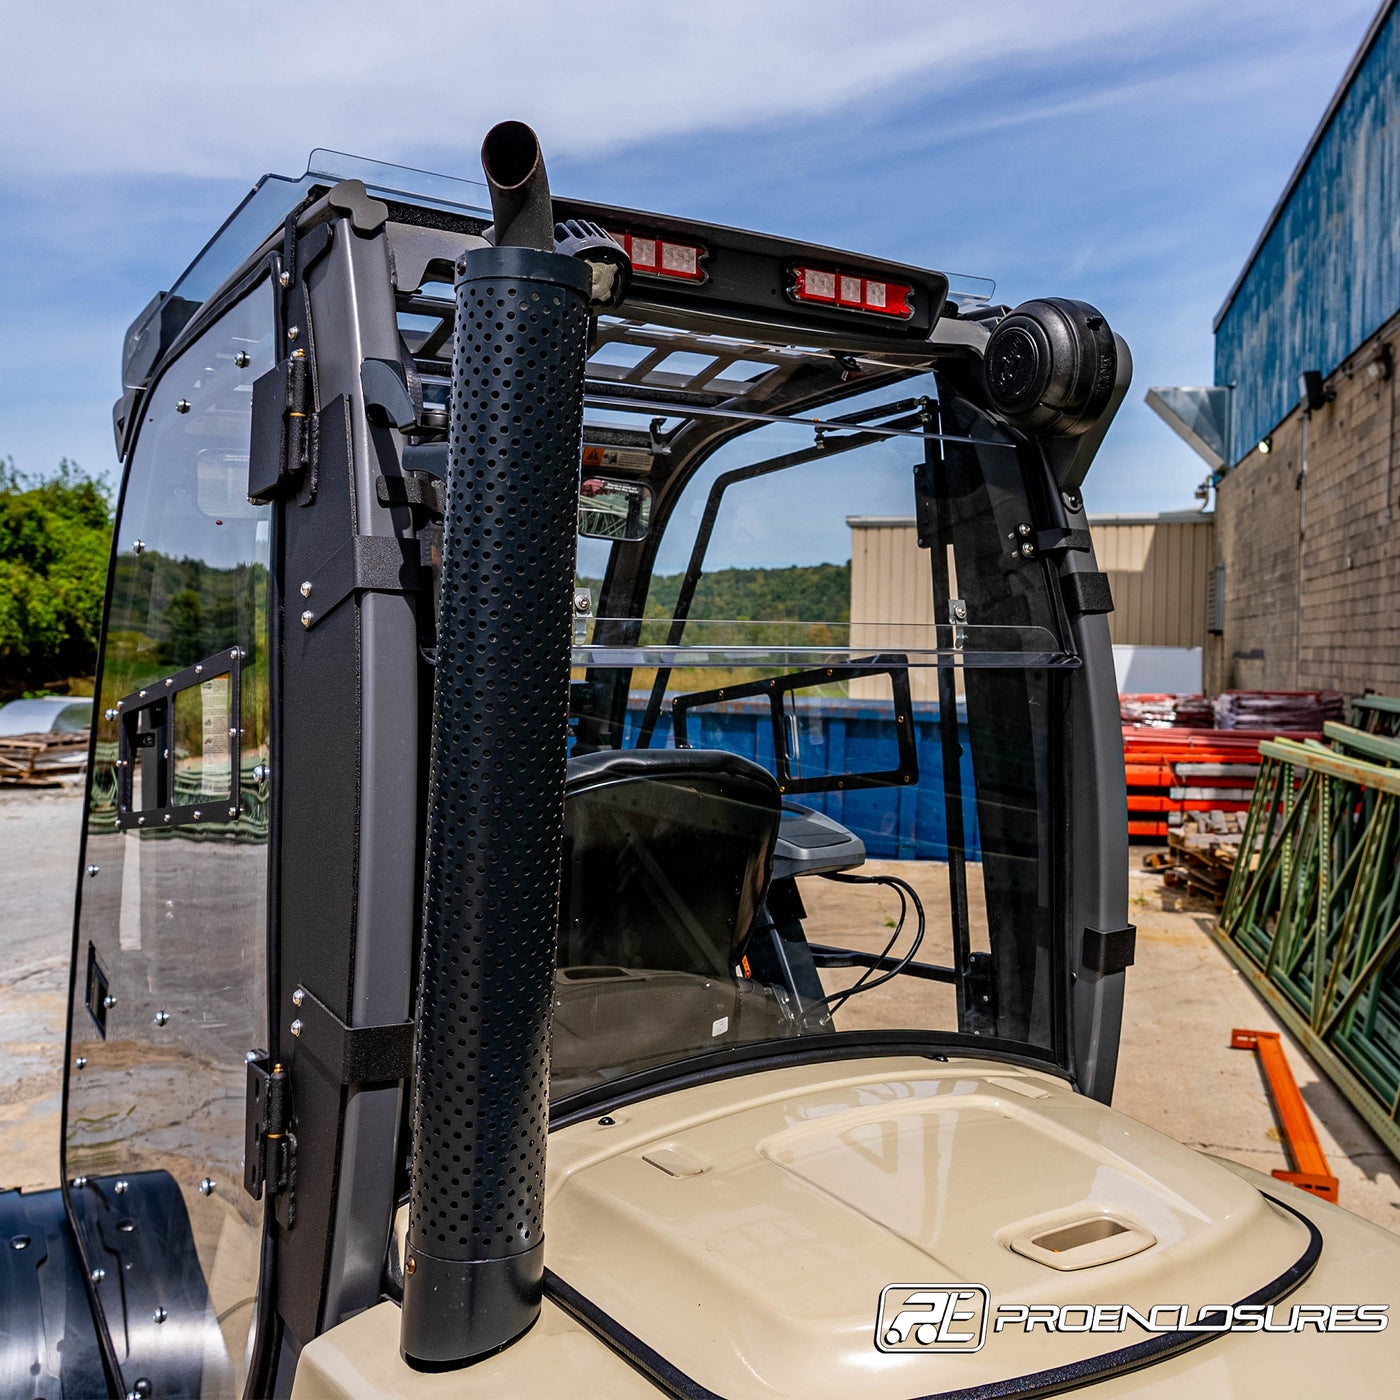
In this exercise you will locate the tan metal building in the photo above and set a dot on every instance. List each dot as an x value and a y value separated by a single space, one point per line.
1159 568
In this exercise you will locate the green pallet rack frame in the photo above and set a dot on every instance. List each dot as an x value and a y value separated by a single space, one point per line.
1312 911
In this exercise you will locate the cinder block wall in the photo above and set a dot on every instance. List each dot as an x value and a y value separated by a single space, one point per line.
1312 572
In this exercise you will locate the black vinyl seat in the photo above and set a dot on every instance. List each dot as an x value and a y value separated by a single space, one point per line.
667 857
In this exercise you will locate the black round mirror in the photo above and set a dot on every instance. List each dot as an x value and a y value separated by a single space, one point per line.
1049 367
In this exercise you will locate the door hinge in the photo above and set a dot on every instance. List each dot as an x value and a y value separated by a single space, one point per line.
269 1145
282 442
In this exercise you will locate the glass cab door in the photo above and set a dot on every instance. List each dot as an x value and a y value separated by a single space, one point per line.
169 989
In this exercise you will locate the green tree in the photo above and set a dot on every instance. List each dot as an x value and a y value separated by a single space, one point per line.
54 537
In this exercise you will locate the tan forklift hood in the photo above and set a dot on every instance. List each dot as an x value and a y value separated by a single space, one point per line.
744 1231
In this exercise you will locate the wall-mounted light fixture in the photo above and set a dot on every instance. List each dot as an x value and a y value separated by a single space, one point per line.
1266 445
1312 392
1381 365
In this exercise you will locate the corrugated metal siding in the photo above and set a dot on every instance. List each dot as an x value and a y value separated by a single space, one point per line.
1159 572
891 582
1328 274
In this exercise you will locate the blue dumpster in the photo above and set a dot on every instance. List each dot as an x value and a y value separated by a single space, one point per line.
836 735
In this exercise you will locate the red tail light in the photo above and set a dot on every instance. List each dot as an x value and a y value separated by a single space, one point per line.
654 256
852 290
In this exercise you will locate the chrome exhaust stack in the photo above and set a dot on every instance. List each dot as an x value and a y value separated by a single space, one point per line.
474 1260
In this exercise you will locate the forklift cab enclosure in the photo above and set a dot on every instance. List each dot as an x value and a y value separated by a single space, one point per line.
836 935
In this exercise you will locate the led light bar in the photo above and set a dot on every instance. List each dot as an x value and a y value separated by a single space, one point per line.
653 256
852 291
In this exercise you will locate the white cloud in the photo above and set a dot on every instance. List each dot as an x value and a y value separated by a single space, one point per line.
234 89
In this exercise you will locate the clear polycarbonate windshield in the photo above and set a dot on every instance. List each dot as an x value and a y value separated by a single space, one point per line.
812 784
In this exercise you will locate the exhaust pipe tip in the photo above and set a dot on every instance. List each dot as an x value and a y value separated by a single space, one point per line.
520 201
510 155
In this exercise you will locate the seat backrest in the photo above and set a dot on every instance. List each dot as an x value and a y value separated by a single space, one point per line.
667 856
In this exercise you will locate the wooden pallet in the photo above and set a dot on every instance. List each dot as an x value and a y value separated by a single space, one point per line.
40 760
1202 852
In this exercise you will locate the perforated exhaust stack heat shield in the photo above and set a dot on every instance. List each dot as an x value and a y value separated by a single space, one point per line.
495 823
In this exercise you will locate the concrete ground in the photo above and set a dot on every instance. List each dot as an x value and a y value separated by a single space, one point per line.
38 869
1176 1071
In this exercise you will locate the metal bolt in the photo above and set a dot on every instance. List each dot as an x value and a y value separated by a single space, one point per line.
1072 499
20 1242
80 1062
110 713
293 332
960 611
206 1187
109 1001
158 1314
298 996
411 1267
260 772
284 279
183 406
169 682
197 814
79 1182
306 618
234 733
306 589
1023 529
296 1026
241 359
92 870
142 694
233 811
122 1187
136 547
607 1122
1028 550
97 1275
161 1017
199 670
166 817
140 821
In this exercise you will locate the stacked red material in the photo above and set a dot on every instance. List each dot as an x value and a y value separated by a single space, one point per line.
1175 771
1279 710
1167 711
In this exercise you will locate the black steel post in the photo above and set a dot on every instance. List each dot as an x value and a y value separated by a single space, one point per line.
495 830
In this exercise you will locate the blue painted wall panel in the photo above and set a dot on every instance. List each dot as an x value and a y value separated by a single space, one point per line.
1328 275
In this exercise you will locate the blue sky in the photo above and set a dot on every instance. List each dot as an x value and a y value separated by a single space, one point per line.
1125 154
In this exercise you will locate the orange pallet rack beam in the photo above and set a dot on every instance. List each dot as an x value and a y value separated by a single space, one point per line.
1311 1171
